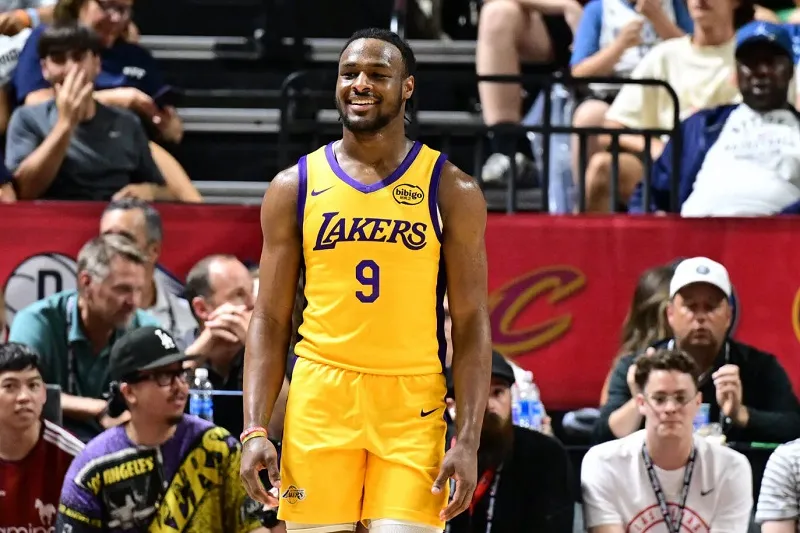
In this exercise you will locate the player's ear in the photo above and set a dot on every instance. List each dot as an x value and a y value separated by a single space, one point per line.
408 87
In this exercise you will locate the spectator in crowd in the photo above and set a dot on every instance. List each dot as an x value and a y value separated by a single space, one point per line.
219 289
637 482
509 32
646 321
739 160
525 476
778 509
747 390
16 16
74 147
141 222
128 78
73 331
34 453
613 37
698 67
179 472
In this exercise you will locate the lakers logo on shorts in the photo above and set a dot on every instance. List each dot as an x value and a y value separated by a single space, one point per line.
408 194
293 494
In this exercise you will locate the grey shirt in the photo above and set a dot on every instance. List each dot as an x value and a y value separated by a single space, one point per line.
105 153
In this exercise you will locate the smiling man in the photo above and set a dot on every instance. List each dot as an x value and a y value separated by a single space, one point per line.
739 160
373 218
34 453
142 476
663 478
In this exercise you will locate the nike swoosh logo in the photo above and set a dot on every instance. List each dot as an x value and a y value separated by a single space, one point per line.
706 492
317 193
424 413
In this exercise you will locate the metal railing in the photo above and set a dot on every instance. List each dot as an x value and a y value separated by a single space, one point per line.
299 114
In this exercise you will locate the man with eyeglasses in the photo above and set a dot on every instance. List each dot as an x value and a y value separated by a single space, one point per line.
164 470
664 478
746 390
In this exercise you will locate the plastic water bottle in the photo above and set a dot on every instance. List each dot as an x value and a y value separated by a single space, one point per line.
201 402
530 408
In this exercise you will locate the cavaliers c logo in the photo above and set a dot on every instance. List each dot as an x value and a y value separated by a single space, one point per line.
507 303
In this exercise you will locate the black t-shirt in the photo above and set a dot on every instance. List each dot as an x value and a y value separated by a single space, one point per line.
534 493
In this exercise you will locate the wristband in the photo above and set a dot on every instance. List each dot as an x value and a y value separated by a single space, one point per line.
252 433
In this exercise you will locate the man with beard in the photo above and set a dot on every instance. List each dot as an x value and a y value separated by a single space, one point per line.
163 470
525 477
73 330
747 391
373 219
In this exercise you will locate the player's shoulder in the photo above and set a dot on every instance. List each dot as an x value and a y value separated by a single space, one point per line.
458 191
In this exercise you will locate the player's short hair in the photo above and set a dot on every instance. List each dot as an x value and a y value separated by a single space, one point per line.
15 356
407 54
68 38
409 59
665 359
152 219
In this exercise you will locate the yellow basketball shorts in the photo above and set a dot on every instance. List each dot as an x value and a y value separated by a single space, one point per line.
361 446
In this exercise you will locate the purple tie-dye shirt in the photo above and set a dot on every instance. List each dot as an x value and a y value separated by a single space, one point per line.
189 484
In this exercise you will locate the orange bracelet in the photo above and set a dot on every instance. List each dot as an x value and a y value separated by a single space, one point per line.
252 433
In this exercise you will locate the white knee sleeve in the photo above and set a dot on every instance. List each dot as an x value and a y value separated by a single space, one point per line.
296 527
387 525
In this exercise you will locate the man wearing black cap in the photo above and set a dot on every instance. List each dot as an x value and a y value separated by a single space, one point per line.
163 470
525 477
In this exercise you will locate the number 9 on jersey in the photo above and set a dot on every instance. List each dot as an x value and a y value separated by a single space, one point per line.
369 275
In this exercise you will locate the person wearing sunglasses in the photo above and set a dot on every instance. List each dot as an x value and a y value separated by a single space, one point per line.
163 469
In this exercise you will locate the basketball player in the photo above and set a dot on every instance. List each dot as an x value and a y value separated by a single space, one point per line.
373 219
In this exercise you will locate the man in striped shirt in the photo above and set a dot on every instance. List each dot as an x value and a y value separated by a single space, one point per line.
34 453
778 509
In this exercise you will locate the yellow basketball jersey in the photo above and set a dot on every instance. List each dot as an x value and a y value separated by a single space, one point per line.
374 274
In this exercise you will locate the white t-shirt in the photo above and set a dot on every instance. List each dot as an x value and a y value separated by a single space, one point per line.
617 490
752 170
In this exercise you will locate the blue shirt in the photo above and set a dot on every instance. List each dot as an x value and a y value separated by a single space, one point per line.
587 39
122 65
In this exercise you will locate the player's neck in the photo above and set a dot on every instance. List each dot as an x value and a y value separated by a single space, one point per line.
15 446
147 433
386 145
669 454
96 329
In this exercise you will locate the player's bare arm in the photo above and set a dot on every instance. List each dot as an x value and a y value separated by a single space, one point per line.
270 328
463 209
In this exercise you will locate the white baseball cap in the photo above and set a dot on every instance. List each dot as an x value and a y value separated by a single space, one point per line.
700 270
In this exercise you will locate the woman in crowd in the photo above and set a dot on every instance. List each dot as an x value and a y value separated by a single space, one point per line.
646 321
